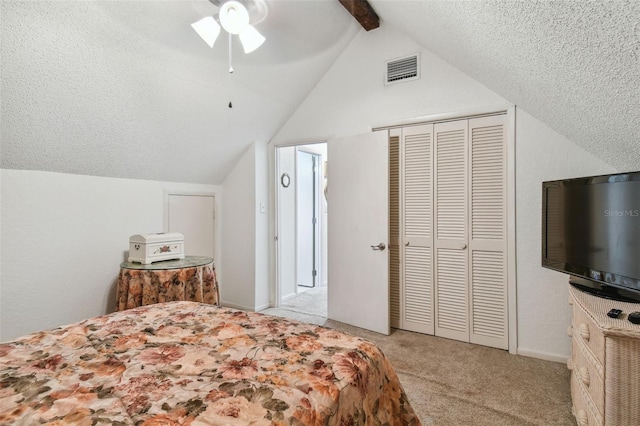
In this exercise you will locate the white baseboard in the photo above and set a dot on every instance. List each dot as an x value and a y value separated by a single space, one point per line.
543 355
263 307
288 296
245 308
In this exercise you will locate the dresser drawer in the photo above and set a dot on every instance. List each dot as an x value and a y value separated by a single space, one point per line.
605 371
583 408
585 329
622 381
588 374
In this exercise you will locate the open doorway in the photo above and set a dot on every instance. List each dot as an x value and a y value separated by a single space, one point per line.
302 228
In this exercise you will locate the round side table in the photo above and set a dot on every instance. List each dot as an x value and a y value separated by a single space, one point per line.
192 279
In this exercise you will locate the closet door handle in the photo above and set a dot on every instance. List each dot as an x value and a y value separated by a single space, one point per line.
380 247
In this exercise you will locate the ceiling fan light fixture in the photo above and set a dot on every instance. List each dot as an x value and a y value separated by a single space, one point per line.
234 17
208 29
251 39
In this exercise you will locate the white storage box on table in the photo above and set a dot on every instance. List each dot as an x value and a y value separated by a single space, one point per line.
149 248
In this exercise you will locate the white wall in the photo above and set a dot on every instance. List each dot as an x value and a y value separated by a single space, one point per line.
245 251
237 287
351 98
262 242
543 310
63 239
287 223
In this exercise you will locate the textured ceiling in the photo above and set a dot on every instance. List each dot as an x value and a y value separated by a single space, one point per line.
127 89
574 65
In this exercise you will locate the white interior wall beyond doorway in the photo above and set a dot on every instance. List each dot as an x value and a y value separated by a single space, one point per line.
286 232
287 194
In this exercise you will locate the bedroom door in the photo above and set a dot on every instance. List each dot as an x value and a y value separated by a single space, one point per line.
358 204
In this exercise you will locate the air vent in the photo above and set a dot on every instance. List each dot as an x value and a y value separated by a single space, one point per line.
403 69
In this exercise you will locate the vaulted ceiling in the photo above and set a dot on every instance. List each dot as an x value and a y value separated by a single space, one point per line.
127 89
574 65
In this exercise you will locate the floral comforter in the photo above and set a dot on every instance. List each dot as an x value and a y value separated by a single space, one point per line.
182 363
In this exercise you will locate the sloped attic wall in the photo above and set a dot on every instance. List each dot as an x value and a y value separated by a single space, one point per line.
351 98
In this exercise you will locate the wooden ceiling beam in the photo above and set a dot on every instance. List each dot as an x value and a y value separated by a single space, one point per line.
363 12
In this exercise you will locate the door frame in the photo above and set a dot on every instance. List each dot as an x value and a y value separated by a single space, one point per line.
317 249
275 285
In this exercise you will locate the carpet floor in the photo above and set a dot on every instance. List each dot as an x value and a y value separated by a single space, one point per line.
456 383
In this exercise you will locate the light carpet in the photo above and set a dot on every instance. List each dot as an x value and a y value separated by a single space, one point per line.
455 383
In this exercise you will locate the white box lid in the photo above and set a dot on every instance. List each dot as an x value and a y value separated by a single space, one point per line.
159 237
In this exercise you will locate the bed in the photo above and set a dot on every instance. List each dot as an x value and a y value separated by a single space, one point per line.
181 363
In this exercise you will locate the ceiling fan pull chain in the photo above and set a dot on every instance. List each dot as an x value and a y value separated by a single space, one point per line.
230 56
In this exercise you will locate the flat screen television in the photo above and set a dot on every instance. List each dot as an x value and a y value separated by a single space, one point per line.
591 231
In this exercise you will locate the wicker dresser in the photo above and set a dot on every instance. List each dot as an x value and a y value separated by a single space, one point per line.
605 362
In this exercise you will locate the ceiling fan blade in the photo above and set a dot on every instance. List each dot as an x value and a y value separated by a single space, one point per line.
208 29
251 39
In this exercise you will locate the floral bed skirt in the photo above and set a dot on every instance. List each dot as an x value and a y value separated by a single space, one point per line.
182 363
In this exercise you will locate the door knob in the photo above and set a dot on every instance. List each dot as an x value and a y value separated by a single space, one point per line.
380 247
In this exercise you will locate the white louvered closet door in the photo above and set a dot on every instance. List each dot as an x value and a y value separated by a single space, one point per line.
450 239
488 233
448 229
416 151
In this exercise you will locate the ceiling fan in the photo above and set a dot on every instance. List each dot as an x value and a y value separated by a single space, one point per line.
236 17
